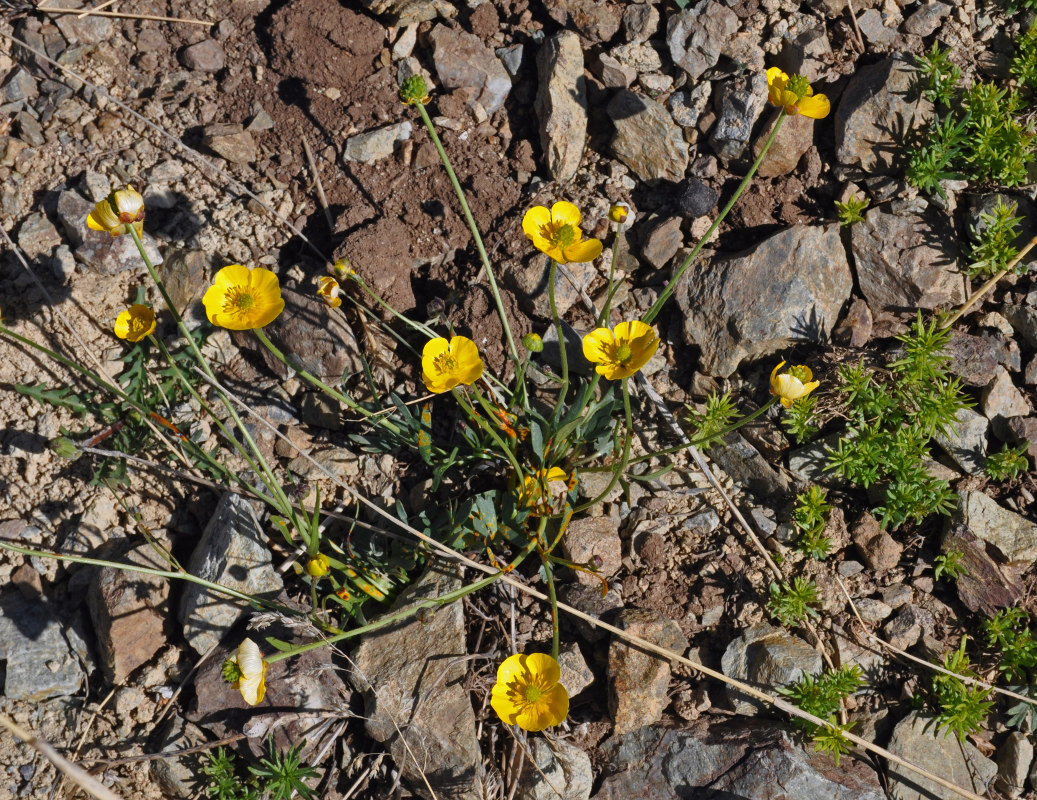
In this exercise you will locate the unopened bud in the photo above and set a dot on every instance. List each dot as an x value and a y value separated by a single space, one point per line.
618 213
533 343
318 566
414 90
65 447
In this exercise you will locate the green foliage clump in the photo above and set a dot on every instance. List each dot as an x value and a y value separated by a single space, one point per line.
822 696
1024 62
891 422
790 605
949 564
942 76
279 776
717 418
960 707
811 516
1008 464
995 237
1008 635
800 421
852 210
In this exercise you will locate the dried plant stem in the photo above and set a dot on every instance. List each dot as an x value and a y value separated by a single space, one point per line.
86 12
986 287
118 15
321 197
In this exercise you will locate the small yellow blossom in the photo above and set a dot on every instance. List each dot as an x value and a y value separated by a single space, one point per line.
621 352
249 670
329 291
618 213
241 299
795 95
556 231
528 694
446 364
792 385
318 566
539 491
135 322
117 212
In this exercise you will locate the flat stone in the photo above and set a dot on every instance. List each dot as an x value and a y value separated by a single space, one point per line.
590 601
20 86
91 29
396 665
559 765
927 19
790 287
593 539
410 12
984 585
204 56
767 658
462 60
575 674
647 139
881 551
232 551
791 144
1013 764
1002 398
974 359
561 104
697 36
746 467
872 610
1013 535
110 255
377 144
124 607
185 274
640 22
43 654
29 129
613 74
915 739
905 260
874 29
909 626
531 280
966 441
738 105
638 681
230 142
37 235
662 241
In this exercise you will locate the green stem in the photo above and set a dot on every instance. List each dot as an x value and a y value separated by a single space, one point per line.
472 227
653 312
482 423
377 299
563 355
624 459
604 315
549 572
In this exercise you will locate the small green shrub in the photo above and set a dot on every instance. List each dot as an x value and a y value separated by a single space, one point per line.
790 605
811 516
1008 636
852 211
960 708
949 564
822 696
1008 464
279 776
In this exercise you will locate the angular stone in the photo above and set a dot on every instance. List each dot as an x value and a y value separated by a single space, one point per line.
974 359
410 12
1013 535
926 19
642 58
1013 764
43 654
917 740
983 585
185 276
638 681
90 29
647 139
790 287
596 20
880 550
1024 320
590 539
738 106
232 552
662 241
37 235
575 674
20 86
614 74
640 22
1002 399
124 607
204 56
559 765
462 60
746 467
874 29
791 144
375 145
697 36
966 441
767 658
1023 429
910 625
561 104
397 665
230 142
906 260
879 108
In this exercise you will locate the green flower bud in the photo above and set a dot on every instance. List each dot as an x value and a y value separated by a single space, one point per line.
65 448
231 672
533 343
414 90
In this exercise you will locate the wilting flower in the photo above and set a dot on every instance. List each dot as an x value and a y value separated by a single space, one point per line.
556 231
318 566
246 669
117 212
792 385
618 213
533 342
540 490
621 352
446 364
241 298
135 322
329 291
795 95
528 694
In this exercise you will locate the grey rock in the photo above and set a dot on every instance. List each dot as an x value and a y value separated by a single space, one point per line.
1023 429
1024 320
1002 398
877 110
261 120
966 441
1013 764
640 22
20 86
204 56
767 658
788 149
907 260
559 765
927 19
873 28
594 539
1013 535
856 327
872 610
880 550
791 286
375 145
575 674
561 104
397 665
511 58
462 60
662 241
29 129
984 585
908 627
808 52
231 552
614 74
686 107
638 681
92 29
37 235
695 198
110 255
409 12
647 139
178 775
43 655
746 467
185 274
915 739
640 57
230 142
974 359
850 568
590 601
95 185
124 607
738 106
64 263
697 36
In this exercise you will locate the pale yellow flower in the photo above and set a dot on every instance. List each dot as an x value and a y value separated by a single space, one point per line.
621 352
135 322
251 672
528 694
117 212
329 291
556 231
445 364
792 385
241 299
795 95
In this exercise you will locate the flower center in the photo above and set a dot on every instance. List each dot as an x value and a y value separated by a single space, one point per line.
623 353
799 86
240 300
445 363
532 694
565 235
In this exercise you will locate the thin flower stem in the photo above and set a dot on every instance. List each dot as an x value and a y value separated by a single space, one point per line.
314 380
472 227
624 459
549 572
653 312
563 389
604 315
418 326
482 423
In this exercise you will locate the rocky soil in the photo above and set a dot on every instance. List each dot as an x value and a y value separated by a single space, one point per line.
593 101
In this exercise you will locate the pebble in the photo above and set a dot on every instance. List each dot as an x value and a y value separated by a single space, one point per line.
593 539
37 235
375 145
229 141
29 129
204 56
661 241
695 198
462 60
927 19
575 674
766 657
647 139
738 106
613 73
696 36
1002 398
561 104
881 551
20 86
640 22
559 765
966 441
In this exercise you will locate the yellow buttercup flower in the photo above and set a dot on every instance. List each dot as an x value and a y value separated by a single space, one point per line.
795 95
792 385
241 299
621 352
446 364
135 322
528 694
329 291
556 231
117 212
248 669
318 566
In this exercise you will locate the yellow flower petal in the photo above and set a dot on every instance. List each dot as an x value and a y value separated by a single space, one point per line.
598 344
230 276
541 664
565 213
252 683
242 299
815 107
534 220
584 251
